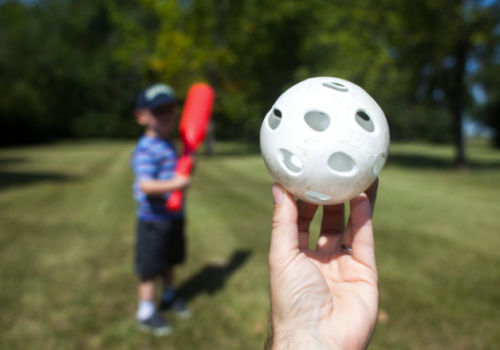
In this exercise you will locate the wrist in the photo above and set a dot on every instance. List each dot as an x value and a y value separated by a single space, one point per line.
292 341
299 339
183 182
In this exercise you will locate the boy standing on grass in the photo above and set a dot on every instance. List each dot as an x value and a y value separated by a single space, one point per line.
160 241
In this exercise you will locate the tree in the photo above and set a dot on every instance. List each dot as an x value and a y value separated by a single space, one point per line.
437 40
80 74
58 78
489 112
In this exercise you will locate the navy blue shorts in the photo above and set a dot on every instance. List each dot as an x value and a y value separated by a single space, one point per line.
159 245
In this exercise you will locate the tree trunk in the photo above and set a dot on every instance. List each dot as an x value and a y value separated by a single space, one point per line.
456 90
458 138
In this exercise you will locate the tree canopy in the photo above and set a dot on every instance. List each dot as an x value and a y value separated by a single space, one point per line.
71 68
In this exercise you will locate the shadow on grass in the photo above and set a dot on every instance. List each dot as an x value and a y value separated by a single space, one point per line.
419 161
213 277
16 178
11 178
11 161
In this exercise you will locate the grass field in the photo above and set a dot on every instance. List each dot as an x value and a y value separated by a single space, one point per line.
67 235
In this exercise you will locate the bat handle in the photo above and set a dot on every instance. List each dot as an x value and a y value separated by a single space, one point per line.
184 166
174 202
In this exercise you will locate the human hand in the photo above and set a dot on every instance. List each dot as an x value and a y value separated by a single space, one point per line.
182 182
325 298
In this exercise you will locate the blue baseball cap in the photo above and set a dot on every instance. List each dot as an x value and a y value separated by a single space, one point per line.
155 96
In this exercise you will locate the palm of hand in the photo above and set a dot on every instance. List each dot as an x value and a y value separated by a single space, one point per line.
326 294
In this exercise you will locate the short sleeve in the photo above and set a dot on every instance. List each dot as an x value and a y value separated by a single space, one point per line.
145 166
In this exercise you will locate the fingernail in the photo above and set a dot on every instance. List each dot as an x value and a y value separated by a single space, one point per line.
277 194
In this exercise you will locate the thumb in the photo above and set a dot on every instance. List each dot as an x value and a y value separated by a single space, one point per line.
284 235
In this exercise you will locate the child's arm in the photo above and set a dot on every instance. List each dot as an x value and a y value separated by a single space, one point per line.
155 187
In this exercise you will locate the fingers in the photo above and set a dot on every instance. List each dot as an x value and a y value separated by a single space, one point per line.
371 192
291 223
332 228
284 235
361 231
306 213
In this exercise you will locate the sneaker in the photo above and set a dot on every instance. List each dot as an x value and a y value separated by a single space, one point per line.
156 325
179 307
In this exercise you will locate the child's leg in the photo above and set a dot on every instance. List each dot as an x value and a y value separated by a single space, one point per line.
168 285
150 263
147 290
175 256
168 277
148 318
170 299
146 294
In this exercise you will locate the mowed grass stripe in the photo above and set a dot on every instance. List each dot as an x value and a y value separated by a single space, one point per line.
67 233
61 228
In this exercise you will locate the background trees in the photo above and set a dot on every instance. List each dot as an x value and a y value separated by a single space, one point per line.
72 68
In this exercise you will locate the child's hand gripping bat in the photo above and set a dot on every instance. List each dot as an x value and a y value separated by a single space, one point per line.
193 127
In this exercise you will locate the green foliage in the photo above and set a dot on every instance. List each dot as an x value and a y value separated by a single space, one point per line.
72 68
57 79
489 80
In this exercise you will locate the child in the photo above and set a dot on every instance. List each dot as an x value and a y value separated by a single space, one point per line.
160 233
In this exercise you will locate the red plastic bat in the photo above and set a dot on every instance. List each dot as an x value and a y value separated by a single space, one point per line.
193 127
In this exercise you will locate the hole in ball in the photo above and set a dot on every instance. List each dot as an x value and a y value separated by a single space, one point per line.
317 120
316 196
341 162
379 163
274 119
364 121
291 161
336 86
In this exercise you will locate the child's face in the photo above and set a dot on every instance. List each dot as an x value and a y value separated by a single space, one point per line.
160 120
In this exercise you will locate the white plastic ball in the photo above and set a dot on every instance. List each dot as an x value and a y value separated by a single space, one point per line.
325 140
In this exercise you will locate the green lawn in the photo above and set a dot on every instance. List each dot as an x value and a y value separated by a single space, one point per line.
67 235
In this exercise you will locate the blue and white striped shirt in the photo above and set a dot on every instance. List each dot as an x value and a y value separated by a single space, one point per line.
153 158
